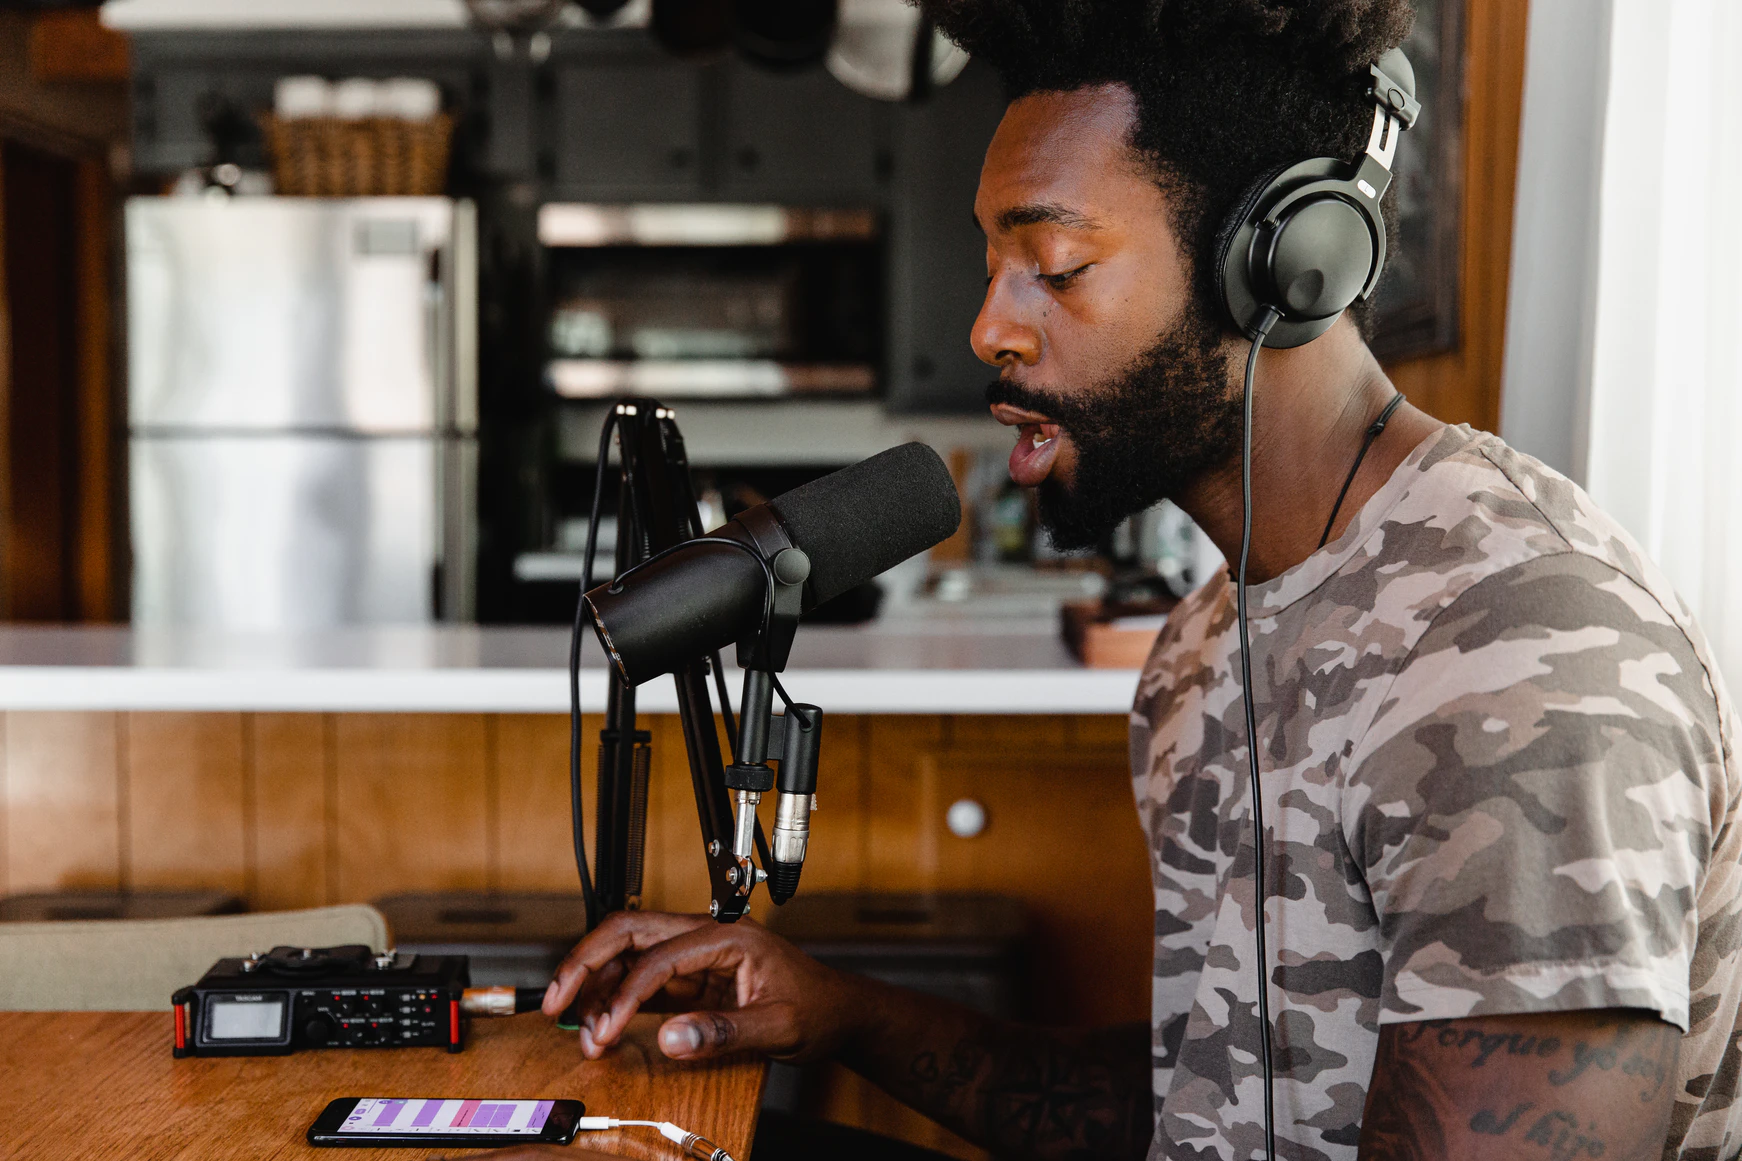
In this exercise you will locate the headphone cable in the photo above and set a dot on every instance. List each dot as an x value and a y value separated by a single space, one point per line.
1265 322
1373 430
577 819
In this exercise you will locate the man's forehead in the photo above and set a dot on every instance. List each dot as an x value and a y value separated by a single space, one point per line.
1057 158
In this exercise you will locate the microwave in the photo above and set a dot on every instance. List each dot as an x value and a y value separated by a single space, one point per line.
712 300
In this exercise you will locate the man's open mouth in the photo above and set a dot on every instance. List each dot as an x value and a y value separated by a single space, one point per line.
1037 443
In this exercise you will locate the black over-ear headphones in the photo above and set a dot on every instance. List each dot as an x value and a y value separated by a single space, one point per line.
1308 239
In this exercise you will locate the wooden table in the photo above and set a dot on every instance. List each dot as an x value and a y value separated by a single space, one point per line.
103 1085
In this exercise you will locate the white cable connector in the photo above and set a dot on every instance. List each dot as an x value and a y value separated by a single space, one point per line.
694 1144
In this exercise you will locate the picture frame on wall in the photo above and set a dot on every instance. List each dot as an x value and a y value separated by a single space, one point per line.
1416 303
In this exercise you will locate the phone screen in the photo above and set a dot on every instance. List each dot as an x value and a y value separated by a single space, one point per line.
446 1118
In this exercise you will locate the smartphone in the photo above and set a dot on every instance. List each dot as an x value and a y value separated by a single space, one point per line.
383 1122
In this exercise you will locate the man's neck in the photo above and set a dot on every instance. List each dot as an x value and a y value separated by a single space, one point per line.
1311 408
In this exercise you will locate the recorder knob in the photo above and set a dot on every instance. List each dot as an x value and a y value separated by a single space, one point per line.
318 1030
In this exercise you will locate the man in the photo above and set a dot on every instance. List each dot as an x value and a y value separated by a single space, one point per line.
1498 764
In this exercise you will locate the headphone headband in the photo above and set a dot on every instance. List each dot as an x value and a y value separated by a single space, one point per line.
1393 87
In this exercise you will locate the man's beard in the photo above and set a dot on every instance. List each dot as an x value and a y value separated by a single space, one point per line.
1141 435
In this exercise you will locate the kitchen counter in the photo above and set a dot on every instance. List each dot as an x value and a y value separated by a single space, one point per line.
920 665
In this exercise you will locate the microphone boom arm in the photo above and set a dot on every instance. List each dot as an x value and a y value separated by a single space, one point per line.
657 513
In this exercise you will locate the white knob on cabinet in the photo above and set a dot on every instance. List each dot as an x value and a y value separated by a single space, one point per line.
966 818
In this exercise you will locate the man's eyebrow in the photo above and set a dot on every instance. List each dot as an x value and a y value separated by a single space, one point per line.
1041 213
1045 213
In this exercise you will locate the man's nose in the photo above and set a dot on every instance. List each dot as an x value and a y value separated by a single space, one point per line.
1002 334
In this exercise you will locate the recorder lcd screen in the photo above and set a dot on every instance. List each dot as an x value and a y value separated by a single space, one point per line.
228 1019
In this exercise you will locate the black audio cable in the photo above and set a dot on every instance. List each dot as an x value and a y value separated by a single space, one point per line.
1373 432
1265 322
577 819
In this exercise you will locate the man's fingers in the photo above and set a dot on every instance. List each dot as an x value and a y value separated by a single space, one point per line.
620 932
767 1028
599 986
708 948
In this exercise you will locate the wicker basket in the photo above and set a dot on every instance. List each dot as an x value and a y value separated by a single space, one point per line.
327 157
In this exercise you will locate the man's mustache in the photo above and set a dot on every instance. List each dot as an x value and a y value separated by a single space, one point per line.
1016 395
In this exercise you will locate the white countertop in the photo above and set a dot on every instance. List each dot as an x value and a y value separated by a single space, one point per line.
966 665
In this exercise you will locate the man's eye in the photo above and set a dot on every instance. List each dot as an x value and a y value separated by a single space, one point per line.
1064 279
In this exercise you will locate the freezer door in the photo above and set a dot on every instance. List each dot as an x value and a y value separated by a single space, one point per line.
284 532
299 313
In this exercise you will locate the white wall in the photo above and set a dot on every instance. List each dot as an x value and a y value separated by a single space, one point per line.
1549 316
1624 346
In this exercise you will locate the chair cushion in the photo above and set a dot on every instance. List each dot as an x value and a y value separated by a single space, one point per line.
135 965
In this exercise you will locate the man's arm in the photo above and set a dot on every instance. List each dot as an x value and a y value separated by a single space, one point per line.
1022 1092
1564 1086
1019 1091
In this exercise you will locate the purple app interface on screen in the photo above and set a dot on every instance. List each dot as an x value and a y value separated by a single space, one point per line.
447 1117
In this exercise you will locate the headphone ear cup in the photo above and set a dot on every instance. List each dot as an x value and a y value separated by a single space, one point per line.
1319 258
1245 206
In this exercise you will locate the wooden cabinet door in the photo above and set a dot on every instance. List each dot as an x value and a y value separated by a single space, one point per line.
1061 834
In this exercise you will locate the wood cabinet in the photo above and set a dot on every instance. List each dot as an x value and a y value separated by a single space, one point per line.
299 810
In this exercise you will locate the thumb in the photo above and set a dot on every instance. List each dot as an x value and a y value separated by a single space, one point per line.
765 1028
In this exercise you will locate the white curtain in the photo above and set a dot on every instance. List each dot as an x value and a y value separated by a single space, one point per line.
1650 286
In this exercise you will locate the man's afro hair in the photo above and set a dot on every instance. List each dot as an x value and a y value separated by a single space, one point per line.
1227 90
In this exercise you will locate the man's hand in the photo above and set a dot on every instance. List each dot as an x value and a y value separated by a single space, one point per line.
742 988
1571 1086
1023 1092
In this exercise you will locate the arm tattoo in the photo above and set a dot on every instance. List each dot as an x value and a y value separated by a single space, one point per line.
1402 1122
1040 1094
1599 1089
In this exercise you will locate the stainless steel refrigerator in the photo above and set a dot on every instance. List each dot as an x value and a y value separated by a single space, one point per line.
302 409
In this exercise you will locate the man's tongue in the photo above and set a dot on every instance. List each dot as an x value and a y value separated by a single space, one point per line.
1036 447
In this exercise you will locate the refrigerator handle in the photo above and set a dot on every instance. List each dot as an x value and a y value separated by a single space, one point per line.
438 334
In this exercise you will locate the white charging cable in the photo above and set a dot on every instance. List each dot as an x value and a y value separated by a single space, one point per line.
694 1144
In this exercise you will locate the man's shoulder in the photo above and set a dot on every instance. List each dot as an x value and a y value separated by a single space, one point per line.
1477 511
1554 561
1480 544
1556 504
1554 647
1522 508
1472 506
1564 619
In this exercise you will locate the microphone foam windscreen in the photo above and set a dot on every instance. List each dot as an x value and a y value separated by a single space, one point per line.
863 520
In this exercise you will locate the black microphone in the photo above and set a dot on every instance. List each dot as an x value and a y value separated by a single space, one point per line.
712 592
747 584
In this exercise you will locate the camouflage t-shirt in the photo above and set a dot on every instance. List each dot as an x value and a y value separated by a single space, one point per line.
1499 777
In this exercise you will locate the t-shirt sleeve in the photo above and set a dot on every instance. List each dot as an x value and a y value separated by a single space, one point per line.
1532 806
